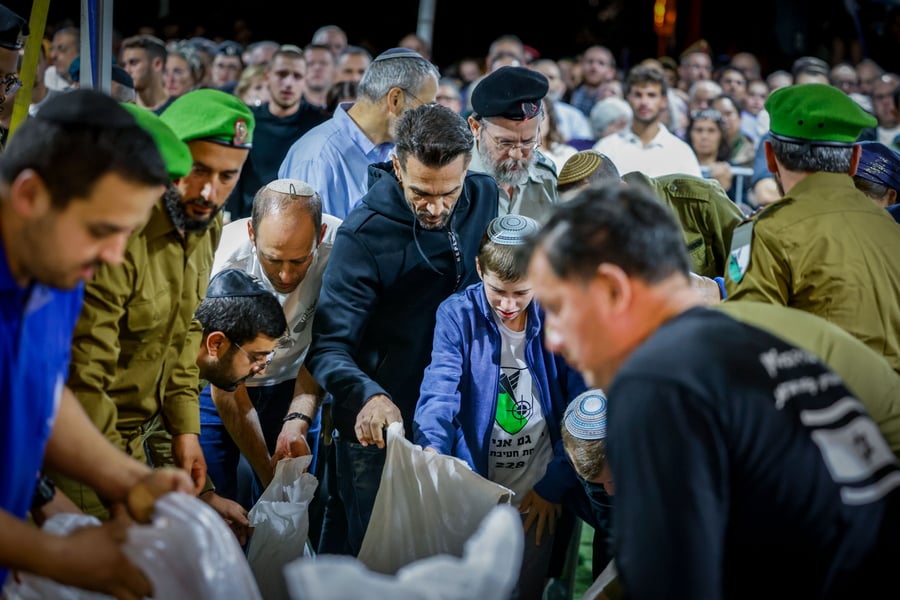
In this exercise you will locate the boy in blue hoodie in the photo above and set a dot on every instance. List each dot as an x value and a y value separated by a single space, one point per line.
494 396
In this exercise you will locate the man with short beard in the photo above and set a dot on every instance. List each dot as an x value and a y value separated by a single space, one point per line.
135 344
279 123
410 243
506 122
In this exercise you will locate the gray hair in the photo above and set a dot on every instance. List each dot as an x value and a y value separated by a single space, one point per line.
807 157
608 111
408 73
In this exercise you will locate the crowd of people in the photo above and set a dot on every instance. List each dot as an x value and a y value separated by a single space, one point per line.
661 300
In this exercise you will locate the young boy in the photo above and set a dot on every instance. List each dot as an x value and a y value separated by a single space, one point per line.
494 396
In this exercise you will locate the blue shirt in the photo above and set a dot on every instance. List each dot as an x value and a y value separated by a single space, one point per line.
334 159
36 325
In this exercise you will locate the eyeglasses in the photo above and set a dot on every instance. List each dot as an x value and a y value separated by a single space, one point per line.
525 146
10 83
707 113
262 358
416 98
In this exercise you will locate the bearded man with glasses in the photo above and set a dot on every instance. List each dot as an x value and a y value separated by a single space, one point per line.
506 122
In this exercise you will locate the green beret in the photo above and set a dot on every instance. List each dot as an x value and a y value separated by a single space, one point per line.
175 153
816 113
211 115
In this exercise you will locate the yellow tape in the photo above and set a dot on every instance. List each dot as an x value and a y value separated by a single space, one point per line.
36 25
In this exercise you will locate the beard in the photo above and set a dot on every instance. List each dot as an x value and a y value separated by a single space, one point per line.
508 172
176 207
422 217
221 375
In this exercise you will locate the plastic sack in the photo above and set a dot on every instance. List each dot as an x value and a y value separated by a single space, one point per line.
281 521
427 504
188 552
489 568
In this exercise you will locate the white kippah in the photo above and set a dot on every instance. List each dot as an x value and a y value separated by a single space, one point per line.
512 230
585 416
293 187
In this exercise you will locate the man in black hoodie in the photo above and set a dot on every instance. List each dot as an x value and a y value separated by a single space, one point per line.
410 243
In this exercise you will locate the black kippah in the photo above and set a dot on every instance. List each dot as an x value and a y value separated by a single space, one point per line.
85 107
397 53
234 282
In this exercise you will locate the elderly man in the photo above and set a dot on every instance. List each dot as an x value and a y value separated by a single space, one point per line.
506 122
334 157
825 247
725 442
135 345
411 243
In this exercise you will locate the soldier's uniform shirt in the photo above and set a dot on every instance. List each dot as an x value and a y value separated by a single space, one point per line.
534 198
827 249
135 346
706 215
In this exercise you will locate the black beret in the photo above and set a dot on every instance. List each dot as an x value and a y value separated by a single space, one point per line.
13 29
234 282
510 92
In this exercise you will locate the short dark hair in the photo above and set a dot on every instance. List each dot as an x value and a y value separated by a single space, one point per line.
154 46
433 134
623 225
642 75
71 157
242 318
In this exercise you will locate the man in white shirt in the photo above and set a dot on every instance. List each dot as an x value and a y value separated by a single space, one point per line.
285 244
648 146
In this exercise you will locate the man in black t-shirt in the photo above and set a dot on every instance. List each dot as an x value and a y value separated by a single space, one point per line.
739 460
279 123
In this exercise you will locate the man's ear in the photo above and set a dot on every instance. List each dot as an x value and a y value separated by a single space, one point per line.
854 159
29 196
478 268
615 288
770 158
250 231
322 233
396 99
217 343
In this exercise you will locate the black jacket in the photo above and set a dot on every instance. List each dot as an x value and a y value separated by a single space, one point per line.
386 276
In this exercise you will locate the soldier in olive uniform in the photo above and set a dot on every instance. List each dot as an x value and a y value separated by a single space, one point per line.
506 122
824 247
705 212
135 345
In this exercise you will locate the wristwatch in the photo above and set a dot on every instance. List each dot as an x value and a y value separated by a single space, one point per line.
296 415
43 492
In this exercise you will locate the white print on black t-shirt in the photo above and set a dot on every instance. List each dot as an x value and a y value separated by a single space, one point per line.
851 445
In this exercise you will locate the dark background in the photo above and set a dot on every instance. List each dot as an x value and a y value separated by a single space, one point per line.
776 31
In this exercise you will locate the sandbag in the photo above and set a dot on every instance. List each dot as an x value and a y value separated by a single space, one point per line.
427 504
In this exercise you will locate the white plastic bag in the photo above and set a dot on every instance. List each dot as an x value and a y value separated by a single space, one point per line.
427 504
488 569
188 552
281 521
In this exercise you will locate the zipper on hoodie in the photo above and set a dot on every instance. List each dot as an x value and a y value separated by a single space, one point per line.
457 256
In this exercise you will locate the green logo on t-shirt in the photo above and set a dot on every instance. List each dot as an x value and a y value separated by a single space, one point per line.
510 416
